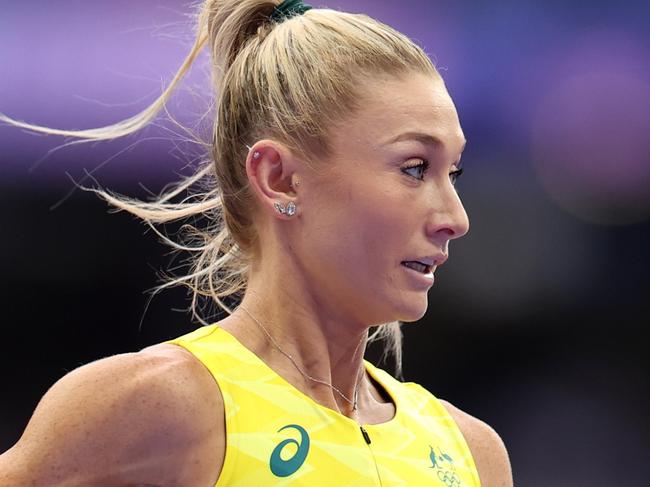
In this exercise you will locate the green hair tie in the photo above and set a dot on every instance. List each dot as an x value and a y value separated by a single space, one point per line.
288 9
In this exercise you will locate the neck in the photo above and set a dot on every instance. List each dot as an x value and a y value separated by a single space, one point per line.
321 344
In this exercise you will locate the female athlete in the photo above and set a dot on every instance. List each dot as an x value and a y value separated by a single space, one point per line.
330 203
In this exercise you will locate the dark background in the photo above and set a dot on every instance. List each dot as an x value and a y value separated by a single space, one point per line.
537 324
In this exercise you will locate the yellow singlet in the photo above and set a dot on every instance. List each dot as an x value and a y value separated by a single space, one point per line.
278 436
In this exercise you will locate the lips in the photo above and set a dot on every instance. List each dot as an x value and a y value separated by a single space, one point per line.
426 264
419 273
418 266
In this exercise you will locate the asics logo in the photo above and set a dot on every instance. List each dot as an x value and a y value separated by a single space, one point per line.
283 468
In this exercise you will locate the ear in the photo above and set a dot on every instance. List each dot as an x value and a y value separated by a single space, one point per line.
270 167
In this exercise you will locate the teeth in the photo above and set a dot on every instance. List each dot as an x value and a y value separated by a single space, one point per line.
416 266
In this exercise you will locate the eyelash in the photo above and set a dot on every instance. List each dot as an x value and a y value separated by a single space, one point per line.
425 166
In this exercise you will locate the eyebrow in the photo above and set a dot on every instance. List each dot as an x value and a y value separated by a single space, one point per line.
426 139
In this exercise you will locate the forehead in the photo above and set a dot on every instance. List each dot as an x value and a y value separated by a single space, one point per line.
390 107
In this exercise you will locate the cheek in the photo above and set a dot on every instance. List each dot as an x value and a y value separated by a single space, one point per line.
360 225
385 208
383 232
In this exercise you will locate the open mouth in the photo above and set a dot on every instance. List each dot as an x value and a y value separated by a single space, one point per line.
418 266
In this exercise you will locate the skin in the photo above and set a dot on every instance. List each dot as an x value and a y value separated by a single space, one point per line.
318 294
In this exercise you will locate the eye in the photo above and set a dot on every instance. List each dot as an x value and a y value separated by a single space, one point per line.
454 175
421 167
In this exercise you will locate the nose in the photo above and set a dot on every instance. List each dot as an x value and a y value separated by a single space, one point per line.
448 218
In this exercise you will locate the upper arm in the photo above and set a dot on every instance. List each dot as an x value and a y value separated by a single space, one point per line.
487 447
128 419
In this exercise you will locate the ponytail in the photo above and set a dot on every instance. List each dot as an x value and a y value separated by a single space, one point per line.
290 80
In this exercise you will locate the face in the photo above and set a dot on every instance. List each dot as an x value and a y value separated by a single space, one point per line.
386 196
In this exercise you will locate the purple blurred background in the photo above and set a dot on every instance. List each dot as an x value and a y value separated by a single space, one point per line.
537 324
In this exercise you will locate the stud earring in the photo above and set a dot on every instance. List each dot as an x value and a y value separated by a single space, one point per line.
256 155
290 210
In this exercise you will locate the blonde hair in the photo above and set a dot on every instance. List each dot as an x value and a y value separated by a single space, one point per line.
289 81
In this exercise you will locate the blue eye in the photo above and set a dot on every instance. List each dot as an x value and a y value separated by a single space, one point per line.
454 175
422 167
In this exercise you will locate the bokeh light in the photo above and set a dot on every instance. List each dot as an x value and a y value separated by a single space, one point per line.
590 134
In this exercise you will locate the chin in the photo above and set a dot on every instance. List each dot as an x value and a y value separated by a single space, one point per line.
413 310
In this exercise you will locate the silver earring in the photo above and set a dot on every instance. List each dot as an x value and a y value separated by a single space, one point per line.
290 210
256 155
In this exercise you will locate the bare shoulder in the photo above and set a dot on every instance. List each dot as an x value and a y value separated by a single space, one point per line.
133 418
487 447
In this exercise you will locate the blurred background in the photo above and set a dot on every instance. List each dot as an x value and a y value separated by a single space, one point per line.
537 324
